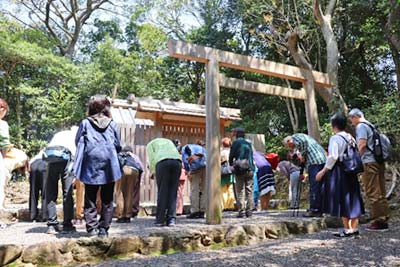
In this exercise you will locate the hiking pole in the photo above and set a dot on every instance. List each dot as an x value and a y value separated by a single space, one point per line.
299 196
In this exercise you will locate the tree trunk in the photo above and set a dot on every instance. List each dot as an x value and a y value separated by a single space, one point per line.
393 36
332 95
310 104
291 107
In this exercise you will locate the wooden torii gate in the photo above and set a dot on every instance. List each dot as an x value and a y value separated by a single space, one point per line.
213 59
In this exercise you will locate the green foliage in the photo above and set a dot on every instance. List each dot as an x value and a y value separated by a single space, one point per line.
47 92
386 116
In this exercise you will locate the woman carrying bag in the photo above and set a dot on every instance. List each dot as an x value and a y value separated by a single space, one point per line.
342 189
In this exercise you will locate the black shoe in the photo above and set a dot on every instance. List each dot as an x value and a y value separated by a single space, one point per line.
123 220
102 233
171 222
93 232
159 224
343 233
120 220
248 213
240 214
311 214
68 229
196 215
52 229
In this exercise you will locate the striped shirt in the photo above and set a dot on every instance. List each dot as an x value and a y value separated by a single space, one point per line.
313 152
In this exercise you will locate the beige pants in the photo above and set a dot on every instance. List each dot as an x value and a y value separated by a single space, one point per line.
197 190
373 180
124 192
179 197
227 196
80 199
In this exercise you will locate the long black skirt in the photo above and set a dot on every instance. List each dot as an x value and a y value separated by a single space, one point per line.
342 196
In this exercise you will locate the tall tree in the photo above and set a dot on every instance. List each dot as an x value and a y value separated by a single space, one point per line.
392 30
63 20
331 95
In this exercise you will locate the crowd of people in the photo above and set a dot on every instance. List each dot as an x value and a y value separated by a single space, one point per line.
90 159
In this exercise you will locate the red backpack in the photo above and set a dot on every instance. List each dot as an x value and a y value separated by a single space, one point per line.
273 159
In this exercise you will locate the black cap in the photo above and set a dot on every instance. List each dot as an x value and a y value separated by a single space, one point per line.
238 130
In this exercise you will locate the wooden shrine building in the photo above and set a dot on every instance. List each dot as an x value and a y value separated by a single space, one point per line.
142 119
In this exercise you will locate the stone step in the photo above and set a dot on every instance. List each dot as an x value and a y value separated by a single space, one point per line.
21 212
141 237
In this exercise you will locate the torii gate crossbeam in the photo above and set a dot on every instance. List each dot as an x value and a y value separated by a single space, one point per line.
213 59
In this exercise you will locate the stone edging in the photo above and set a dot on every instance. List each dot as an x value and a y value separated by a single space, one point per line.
213 237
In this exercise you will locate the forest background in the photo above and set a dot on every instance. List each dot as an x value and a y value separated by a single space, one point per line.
55 54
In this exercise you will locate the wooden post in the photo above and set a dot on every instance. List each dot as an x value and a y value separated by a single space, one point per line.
213 169
311 111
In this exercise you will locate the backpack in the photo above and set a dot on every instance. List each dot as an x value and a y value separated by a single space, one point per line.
273 159
381 148
351 160
242 164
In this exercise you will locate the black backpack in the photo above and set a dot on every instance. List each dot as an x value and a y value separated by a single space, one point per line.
351 159
381 148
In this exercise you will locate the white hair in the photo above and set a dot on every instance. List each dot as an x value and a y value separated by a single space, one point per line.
356 112
287 139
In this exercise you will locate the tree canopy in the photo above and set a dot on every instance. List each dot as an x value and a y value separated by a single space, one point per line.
65 51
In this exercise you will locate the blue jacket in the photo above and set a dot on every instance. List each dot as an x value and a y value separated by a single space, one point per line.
198 154
98 143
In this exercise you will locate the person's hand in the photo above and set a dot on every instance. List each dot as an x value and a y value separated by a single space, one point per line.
300 157
302 177
319 176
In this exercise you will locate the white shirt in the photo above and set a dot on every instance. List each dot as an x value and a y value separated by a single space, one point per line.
337 147
66 139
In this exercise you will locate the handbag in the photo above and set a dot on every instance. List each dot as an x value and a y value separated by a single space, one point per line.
241 166
351 160
226 169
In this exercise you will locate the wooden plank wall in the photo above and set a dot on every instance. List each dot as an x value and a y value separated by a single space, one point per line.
139 137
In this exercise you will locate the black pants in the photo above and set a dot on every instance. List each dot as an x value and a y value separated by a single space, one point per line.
55 171
37 182
107 209
167 175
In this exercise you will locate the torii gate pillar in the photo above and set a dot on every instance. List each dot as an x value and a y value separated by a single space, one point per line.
213 170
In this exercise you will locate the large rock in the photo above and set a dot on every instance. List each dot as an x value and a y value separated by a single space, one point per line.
189 240
47 253
125 246
9 253
255 233
333 222
152 245
236 236
276 230
91 249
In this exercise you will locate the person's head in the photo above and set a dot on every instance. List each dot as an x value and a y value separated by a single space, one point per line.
338 122
200 142
127 148
3 108
356 116
288 142
177 144
99 104
238 132
226 142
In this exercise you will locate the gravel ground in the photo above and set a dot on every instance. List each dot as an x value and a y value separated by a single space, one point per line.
28 233
319 249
